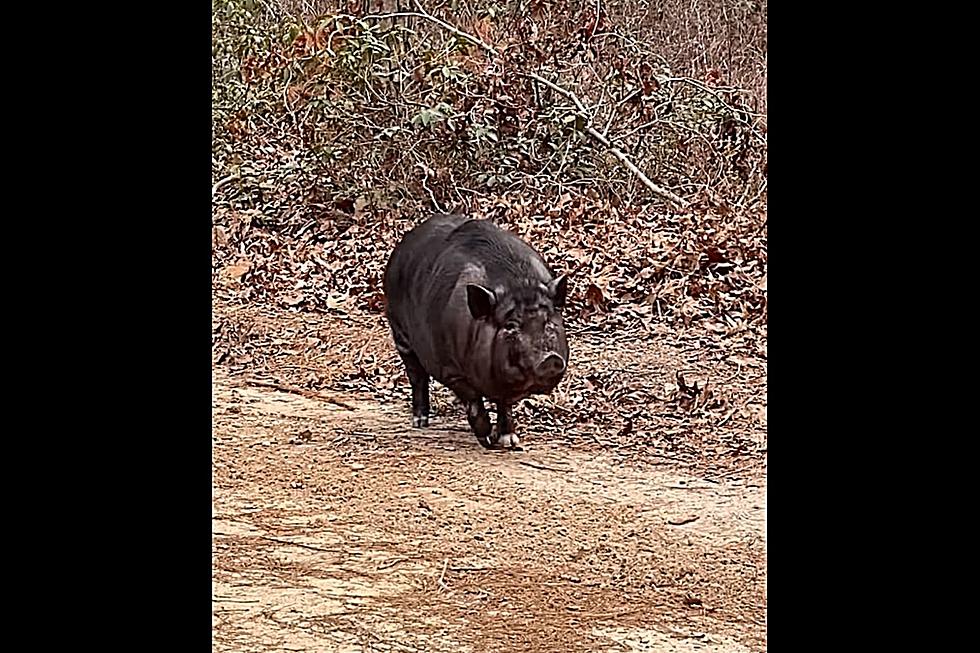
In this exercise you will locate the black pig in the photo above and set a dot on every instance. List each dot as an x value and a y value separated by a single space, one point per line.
477 309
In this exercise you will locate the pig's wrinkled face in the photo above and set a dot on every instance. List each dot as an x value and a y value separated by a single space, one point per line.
529 352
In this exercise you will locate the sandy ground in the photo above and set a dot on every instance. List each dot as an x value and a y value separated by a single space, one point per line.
343 529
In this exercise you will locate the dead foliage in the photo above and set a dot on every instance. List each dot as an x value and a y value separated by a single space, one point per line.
337 126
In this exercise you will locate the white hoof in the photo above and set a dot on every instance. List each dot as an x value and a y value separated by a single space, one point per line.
509 441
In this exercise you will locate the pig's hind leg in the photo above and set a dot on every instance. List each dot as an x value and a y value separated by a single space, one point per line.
419 379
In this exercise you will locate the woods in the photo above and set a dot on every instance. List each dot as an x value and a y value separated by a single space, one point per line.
627 143
550 117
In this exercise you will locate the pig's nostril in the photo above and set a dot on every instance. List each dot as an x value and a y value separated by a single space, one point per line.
552 365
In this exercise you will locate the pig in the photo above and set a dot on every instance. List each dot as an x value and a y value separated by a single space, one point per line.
476 308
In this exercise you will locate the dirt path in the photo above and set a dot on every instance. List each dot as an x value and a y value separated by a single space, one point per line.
340 530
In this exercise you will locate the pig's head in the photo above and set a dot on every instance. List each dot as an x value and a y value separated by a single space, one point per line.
528 354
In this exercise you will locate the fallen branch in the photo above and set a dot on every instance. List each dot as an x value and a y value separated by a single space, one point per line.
545 467
309 394
445 563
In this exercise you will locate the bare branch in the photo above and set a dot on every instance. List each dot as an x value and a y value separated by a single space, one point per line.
425 171
571 96
615 151
663 192
421 13
589 129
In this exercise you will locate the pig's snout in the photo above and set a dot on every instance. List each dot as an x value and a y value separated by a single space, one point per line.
551 368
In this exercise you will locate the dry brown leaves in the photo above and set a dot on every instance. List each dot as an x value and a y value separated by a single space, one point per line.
628 269
649 294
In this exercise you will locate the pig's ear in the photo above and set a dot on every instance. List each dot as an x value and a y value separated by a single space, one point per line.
481 300
558 288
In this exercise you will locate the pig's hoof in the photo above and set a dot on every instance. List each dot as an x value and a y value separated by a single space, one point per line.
420 421
509 441
481 427
485 443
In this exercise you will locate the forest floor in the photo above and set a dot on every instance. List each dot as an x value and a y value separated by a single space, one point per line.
338 527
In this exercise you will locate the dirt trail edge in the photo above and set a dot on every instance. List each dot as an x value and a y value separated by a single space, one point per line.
346 530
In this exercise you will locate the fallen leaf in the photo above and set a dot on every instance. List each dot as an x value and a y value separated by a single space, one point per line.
337 301
376 302
593 295
237 271
218 237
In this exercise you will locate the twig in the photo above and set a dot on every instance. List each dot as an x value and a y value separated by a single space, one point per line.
619 644
445 563
376 637
755 168
571 96
280 541
221 599
733 472
391 563
305 546
675 459
608 615
727 417
683 520
300 391
425 171
220 183
545 467
695 83
762 189
602 443
301 367
595 25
